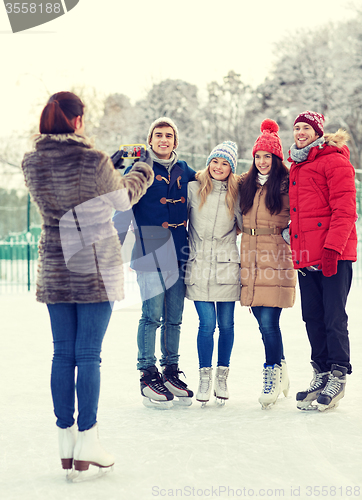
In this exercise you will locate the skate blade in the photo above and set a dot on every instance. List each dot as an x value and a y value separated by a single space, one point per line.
89 475
159 405
307 406
267 406
220 401
182 401
327 407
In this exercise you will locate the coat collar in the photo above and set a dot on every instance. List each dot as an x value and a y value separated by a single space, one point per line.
46 140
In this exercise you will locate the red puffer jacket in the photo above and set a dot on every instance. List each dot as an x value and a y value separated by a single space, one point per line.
322 196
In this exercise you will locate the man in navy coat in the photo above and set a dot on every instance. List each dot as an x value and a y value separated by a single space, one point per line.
161 249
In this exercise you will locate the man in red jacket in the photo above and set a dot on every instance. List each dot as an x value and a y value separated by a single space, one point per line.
324 244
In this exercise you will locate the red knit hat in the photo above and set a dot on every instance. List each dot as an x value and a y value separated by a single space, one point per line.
315 120
269 139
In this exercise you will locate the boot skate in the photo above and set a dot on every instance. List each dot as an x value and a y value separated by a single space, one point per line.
284 378
305 398
177 387
89 451
66 440
271 386
156 395
205 384
220 387
334 389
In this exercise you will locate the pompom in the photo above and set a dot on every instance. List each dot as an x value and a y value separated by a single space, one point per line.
270 125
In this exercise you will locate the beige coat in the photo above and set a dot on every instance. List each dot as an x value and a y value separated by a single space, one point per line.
76 189
213 268
267 274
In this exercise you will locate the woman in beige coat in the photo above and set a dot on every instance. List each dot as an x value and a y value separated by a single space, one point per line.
213 269
267 276
75 188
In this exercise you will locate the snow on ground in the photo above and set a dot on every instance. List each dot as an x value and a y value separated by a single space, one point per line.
236 451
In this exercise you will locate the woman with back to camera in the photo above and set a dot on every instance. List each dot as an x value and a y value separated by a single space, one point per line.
213 269
267 276
75 188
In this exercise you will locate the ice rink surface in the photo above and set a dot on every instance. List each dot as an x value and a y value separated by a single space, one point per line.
235 451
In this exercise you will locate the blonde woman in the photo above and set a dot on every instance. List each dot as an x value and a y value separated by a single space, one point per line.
213 269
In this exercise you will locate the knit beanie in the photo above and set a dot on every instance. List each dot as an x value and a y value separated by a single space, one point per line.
269 139
227 150
156 123
315 120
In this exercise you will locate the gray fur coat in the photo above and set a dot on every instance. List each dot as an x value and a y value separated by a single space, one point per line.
75 188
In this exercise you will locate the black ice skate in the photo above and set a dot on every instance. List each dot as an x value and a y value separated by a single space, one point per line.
171 380
155 393
319 381
334 389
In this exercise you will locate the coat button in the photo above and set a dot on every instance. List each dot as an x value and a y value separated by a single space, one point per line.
294 209
295 236
319 224
294 183
163 201
165 225
297 261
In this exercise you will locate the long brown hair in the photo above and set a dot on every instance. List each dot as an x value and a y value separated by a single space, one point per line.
206 186
60 110
273 200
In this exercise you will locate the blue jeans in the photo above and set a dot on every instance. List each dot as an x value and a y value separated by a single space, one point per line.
78 331
208 313
162 310
268 319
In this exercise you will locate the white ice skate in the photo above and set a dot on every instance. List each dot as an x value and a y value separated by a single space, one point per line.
89 451
271 386
284 378
220 387
66 440
205 385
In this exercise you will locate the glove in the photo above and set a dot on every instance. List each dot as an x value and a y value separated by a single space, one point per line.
117 160
329 262
146 157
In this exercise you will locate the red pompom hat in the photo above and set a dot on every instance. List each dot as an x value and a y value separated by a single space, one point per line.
269 139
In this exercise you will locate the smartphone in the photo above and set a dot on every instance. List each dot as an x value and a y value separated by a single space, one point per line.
132 150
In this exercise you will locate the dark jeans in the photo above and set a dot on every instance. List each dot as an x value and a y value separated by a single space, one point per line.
268 319
324 312
208 313
78 331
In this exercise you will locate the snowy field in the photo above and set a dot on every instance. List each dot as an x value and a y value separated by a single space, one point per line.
236 451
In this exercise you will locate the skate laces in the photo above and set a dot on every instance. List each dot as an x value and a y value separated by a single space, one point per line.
155 380
221 379
269 378
204 383
318 381
174 377
333 386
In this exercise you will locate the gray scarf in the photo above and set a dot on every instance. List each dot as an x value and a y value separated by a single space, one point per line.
299 155
168 164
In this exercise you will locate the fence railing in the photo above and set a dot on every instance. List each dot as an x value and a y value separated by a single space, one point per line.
18 267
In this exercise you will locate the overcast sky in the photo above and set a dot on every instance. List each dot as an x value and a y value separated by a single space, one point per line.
126 46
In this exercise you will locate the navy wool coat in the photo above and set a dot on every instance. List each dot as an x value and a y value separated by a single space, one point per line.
158 219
